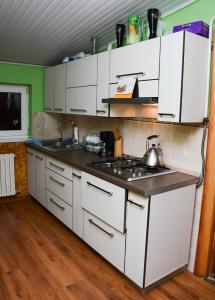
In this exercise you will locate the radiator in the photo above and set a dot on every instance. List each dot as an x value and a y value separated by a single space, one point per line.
7 175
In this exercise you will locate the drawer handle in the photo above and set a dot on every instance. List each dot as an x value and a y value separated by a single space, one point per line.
105 231
39 157
97 187
78 176
76 109
101 111
58 182
139 205
48 108
56 166
58 205
30 153
138 73
58 109
167 115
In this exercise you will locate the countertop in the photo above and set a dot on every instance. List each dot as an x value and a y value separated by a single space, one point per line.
146 187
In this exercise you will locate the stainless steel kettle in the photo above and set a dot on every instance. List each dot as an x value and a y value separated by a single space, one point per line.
153 156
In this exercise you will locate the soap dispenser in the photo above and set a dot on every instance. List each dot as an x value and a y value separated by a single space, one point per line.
75 136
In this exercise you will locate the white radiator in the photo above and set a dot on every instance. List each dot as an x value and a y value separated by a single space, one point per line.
7 175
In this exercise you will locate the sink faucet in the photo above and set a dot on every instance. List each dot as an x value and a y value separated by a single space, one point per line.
61 133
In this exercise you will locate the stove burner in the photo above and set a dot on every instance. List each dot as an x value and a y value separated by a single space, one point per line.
129 169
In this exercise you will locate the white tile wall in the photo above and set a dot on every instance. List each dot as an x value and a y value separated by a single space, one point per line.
181 145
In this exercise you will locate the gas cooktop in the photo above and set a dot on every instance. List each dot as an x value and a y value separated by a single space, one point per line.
129 169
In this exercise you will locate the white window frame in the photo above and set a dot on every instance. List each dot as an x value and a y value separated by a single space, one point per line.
23 132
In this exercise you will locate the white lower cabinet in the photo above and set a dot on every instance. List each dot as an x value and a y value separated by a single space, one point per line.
59 209
136 225
107 241
36 175
77 208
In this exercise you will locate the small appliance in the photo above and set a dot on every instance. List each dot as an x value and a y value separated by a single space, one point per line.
107 138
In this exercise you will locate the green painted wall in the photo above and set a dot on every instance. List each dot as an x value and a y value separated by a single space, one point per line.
199 10
27 75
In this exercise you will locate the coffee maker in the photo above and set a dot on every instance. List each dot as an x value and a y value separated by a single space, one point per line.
107 138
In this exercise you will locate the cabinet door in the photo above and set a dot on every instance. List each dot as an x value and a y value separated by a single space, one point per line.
170 77
82 72
49 89
40 167
140 58
59 88
77 209
169 234
31 172
103 83
81 101
136 224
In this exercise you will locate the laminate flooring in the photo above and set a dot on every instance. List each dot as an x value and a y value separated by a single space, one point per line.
41 259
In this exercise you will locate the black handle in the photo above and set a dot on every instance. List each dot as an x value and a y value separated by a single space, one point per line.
155 136
78 176
139 205
105 231
78 109
138 73
97 187
168 115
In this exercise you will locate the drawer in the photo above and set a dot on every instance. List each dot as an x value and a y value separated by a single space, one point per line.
105 240
81 101
59 209
59 186
59 167
144 57
104 200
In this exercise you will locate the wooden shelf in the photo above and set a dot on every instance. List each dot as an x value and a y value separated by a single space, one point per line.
148 100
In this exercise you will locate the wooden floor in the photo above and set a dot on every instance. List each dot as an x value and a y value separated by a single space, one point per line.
41 259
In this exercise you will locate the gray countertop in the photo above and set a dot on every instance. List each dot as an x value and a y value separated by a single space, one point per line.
145 187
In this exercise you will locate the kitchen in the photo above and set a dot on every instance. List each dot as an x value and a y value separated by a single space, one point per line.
51 177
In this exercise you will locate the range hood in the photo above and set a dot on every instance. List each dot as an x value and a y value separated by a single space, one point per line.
139 100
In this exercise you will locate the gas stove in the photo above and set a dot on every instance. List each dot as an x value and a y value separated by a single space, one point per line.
129 169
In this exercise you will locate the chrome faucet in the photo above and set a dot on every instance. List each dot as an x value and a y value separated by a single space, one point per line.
61 133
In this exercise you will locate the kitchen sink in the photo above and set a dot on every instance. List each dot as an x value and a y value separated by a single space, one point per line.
59 145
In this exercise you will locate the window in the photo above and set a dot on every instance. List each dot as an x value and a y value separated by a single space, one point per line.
13 111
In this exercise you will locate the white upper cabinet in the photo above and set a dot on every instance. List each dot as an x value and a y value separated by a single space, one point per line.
140 59
182 84
82 72
59 88
102 109
49 89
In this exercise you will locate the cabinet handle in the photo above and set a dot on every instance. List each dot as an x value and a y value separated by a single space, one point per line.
138 73
55 180
139 205
168 115
56 166
105 231
58 205
30 153
101 111
78 176
58 109
97 187
39 157
76 109
48 108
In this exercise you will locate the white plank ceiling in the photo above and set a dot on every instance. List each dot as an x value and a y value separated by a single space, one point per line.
44 31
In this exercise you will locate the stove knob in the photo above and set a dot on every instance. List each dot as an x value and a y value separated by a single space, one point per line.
119 172
134 174
139 173
115 170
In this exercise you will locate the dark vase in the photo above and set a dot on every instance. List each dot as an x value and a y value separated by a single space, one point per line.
153 15
120 33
